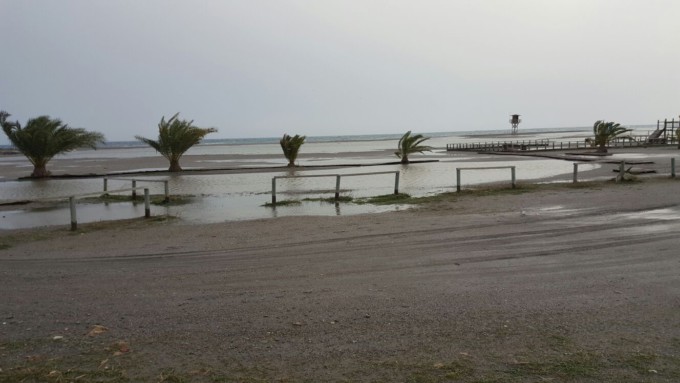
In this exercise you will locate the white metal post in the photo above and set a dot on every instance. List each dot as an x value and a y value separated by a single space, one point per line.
457 179
74 220
337 187
147 204
673 167
512 171
274 191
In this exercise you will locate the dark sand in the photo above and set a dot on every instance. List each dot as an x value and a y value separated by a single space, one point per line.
556 283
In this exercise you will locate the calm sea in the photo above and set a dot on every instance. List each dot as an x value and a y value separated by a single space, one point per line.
352 138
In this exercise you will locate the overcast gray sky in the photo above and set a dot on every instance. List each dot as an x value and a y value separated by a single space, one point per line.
258 68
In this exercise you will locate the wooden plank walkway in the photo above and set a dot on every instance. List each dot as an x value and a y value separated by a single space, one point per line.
550 145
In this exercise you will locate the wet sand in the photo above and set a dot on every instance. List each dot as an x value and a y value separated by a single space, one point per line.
550 283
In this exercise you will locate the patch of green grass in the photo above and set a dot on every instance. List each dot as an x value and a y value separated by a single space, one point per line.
386 199
642 363
287 202
9 241
330 200
491 190
431 372
155 199
170 376
51 373
576 365
559 342
675 342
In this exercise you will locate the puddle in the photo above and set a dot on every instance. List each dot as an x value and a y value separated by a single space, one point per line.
667 214
228 197
556 210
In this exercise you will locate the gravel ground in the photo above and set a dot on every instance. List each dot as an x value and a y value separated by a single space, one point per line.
551 283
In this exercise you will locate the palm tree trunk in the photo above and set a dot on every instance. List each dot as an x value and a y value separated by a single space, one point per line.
602 148
174 166
404 159
291 164
40 171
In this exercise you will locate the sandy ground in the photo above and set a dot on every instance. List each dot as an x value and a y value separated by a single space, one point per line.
554 283
550 283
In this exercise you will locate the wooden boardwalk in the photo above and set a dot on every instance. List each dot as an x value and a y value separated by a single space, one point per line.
551 145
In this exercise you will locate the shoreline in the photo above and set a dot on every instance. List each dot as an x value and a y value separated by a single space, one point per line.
101 167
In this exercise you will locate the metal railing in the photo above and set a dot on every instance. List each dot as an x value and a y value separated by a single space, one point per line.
512 174
337 181
72 203
621 169
134 185
547 145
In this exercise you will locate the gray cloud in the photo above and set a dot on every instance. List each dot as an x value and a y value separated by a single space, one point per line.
260 68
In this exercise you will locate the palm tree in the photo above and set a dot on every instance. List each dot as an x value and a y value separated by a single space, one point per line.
411 144
175 137
605 132
291 147
44 138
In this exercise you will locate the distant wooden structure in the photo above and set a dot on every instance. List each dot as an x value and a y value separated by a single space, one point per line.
514 122
661 135
548 145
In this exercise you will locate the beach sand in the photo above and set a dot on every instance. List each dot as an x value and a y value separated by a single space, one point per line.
543 283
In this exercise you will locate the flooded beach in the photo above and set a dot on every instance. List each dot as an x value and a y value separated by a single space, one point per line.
234 182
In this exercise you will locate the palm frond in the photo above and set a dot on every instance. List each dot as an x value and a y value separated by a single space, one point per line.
605 131
291 146
43 138
175 137
409 144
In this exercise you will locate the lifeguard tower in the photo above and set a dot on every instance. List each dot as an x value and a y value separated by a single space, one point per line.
514 121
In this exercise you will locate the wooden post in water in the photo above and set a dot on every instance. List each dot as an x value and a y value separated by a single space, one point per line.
396 183
457 179
622 169
147 203
274 191
167 191
134 191
673 167
74 220
337 187
575 172
512 172
106 185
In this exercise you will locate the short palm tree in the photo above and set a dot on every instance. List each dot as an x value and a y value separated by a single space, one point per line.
605 132
43 138
291 147
411 144
175 137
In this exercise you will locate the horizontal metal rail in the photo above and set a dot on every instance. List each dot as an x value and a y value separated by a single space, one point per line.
337 181
512 173
72 203
134 185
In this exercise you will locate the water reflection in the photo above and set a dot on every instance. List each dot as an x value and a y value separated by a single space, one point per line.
228 197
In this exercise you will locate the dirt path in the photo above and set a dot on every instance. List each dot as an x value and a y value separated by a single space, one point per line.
560 284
